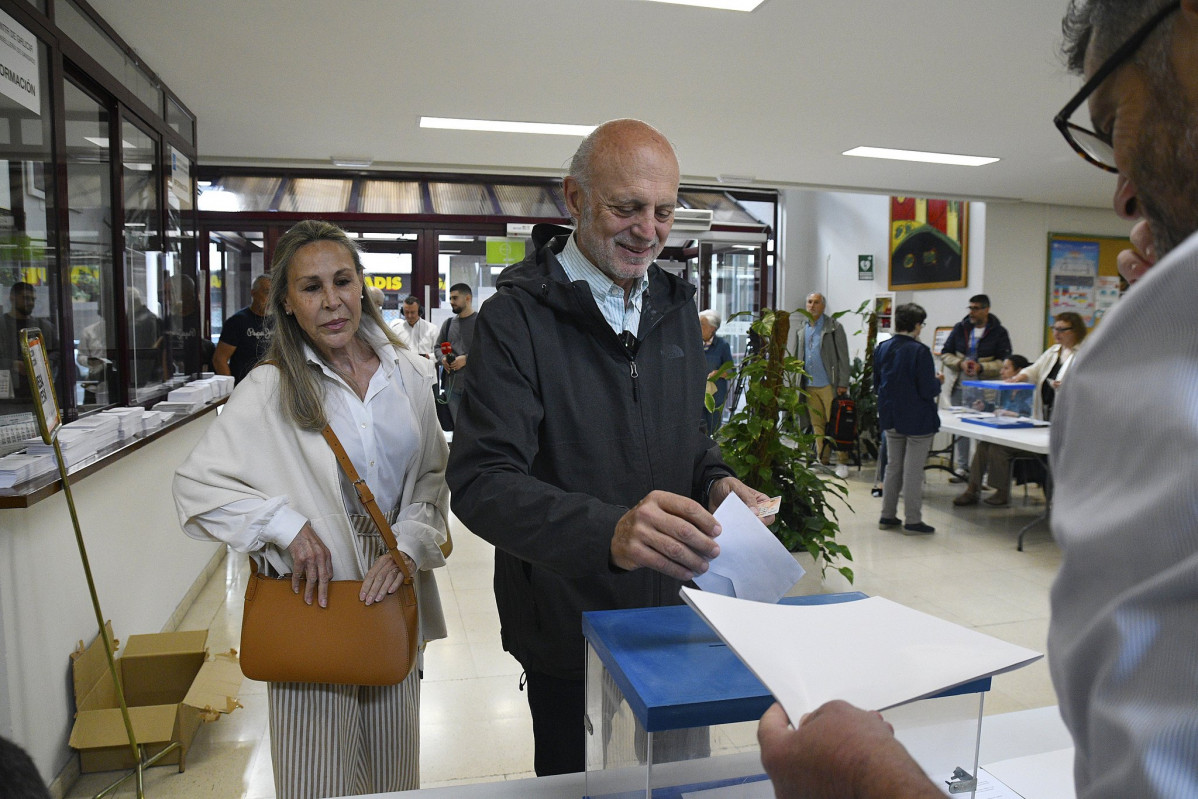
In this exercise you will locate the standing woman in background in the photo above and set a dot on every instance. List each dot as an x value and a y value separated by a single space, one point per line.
717 352
264 481
907 385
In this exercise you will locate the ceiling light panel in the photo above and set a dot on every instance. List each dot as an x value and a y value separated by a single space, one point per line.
722 5
502 126
923 157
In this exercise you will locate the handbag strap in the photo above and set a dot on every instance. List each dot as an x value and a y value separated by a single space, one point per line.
367 499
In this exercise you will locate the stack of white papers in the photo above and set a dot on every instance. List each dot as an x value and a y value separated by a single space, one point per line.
152 420
873 653
79 440
129 421
17 469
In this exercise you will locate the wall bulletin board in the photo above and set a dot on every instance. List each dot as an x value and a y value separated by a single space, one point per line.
1083 276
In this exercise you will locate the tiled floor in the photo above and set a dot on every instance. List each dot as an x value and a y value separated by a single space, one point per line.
474 720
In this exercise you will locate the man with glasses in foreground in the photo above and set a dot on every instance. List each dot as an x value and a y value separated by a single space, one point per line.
1123 641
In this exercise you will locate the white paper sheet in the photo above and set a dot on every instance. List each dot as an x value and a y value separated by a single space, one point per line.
872 652
752 563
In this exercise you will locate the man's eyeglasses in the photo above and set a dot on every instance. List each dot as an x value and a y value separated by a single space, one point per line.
978 307
1091 146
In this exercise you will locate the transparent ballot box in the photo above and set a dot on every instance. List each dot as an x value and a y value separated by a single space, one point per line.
1004 400
671 711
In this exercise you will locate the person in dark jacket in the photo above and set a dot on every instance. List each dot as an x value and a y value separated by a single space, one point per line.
907 386
974 350
580 449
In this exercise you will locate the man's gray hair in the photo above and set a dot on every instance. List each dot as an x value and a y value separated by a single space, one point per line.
1105 24
712 318
259 280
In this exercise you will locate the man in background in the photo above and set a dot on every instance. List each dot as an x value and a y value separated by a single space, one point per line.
14 383
1122 642
824 350
419 334
974 350
245 335
458 332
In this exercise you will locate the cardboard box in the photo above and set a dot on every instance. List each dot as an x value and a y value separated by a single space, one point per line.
171 687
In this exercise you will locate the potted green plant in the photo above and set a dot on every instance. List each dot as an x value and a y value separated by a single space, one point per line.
765 442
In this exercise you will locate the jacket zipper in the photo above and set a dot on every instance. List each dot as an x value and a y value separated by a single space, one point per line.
635 375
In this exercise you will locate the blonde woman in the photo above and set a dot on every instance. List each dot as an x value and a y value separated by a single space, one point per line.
264 481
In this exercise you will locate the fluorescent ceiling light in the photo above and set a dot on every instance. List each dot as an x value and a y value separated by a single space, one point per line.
916 155
500 126
352 161
723 5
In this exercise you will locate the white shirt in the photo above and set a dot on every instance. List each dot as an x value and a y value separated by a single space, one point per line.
379 435
609 296
1123 642
421 337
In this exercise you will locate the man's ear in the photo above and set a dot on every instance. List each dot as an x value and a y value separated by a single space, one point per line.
572 191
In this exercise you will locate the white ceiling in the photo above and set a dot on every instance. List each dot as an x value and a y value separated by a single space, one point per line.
777 94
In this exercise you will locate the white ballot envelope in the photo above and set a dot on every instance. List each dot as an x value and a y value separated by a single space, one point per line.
752 563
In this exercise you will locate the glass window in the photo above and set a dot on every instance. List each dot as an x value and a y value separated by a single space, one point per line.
95 42
188 352
182 122
540 201
235 258
147 294
316 196
465 199
239 194
28 274
90 249
390 197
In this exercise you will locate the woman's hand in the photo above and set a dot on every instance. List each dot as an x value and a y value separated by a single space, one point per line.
312 562
384 577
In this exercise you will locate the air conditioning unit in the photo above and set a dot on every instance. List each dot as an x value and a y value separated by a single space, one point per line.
692 219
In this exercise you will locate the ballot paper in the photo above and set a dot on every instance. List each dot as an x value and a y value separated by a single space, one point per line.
873 653
752 563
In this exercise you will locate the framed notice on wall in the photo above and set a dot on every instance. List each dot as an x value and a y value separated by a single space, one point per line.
1083 276
928 247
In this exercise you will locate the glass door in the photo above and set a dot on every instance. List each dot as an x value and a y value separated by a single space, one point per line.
730 281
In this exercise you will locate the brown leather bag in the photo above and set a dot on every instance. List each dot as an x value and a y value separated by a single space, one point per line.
283 639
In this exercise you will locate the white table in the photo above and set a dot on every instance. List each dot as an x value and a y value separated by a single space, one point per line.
1029 439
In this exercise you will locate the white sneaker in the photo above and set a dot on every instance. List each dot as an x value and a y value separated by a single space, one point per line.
842 471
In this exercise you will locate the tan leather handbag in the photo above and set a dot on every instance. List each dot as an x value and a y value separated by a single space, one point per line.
283 639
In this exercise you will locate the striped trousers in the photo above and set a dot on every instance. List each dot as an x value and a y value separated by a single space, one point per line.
342 740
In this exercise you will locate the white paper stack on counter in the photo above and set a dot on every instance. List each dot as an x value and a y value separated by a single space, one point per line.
17 469
79 440
873 653
129 421
152 420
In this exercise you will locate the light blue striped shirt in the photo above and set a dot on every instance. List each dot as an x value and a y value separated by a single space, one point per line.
609 296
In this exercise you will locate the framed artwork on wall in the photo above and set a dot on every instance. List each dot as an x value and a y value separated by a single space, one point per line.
928 247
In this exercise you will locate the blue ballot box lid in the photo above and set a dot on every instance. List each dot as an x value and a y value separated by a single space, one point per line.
676 673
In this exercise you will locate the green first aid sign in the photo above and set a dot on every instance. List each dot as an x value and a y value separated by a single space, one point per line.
865 267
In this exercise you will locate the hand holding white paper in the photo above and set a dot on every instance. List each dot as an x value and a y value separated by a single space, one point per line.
752 563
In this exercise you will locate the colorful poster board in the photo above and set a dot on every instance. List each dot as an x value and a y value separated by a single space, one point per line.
1083 277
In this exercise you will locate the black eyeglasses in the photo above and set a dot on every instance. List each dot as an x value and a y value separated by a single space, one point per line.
1056 329
1089 145
978 307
